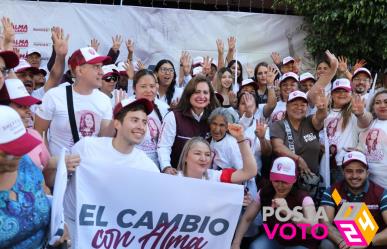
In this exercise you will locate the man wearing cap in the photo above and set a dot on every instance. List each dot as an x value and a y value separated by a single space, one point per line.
34 57
40 79
130 123
109 81
356 187
92 109
287 64
361 82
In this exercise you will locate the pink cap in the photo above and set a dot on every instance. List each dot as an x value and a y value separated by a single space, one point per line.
14 138
10 58
109 70
297 95
25 66
15 91
283 169
362 70
307 76
197 70
287 60
289 75
355 156
87 55
132 102
342 84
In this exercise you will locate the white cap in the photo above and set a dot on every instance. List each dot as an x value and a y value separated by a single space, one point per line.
287 60
246 82
306 76
362 70
289 75
197 61
355 156
86 55
342 84
14 138
110 69
24 65
297 94
197 70
283 169
15 91
34 50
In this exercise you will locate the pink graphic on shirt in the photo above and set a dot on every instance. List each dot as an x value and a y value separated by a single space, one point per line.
278 116
153 130
88 123
334 130
373 144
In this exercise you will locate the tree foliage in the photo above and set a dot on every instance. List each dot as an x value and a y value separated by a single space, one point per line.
353 28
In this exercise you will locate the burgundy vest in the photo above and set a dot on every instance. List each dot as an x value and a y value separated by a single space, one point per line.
186 128
372 199
292 200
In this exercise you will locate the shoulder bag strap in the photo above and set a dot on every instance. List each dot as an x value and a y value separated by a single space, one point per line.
290 136
70 110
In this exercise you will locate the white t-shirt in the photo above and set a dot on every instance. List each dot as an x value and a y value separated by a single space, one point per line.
98 152
373 142
213 175
38 93
176 95
226 153
341 138
89 111
152 135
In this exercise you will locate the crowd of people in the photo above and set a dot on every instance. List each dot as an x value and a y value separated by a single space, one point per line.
290 137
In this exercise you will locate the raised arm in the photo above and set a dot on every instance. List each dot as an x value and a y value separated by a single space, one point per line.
322 110
231 49
324 79
249 169
220 47
271 96
364 118
260 132
61 48
185 68
8 33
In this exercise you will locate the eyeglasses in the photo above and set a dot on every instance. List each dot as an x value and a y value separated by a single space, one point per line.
361 80
111 79
167 70
4 71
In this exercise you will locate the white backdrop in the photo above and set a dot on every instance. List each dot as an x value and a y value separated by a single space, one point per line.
157 33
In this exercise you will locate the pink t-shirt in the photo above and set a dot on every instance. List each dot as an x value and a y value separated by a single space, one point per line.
39 155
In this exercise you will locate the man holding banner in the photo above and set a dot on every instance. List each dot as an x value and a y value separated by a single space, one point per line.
130 122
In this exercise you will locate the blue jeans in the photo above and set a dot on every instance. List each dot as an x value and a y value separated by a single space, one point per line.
263 242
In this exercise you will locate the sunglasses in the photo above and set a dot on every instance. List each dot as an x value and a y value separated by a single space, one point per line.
111 78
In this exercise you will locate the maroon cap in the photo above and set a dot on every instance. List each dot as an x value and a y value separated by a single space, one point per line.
87 55
10 58
132 102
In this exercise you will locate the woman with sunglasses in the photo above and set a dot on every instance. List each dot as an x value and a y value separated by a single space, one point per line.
110 78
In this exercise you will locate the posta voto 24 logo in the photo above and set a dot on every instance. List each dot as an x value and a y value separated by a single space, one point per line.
354 221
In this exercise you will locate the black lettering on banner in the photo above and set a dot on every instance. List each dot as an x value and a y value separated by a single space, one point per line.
190 223
175 221
85 214
145 220
120 218
215 223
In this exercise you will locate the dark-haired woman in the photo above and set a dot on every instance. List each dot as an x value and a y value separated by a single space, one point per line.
187 120
145 86
168 91
236 65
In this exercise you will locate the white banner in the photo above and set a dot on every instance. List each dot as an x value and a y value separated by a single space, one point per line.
120 207
157 33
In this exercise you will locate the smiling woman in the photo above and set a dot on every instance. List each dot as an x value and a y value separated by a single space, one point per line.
188 120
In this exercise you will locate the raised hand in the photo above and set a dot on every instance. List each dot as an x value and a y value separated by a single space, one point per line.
130 46
275 56
260 128
140 65
8 33
343 64
207 65
321 101
220 46
272 72
128 66
236 130
250 104
16 51
359 64
117 41
60 42
358 105
231 43
185 61
232 98
94 43
249 70
174 103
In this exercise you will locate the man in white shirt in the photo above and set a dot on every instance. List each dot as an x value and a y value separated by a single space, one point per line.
130 123
92 108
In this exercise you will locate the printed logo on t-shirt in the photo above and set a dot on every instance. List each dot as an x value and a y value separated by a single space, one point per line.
88 123
278 116
309 137
334 130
